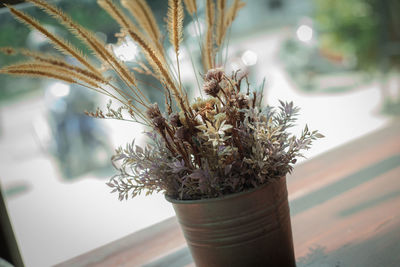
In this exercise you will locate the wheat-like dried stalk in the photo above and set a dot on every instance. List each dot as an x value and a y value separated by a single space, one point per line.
144 69
51 66
146 20
155 59
220 27
116 14
83 34
175 23
191 6
61 44
208 48
8 50
97 46
36 69
175 30
210 13
55 61
51 69
36 73
231 14
216 29
158 66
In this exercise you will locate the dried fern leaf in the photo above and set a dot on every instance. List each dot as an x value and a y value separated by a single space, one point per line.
175 23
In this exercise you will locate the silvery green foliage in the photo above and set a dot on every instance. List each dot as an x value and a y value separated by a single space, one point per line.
267 151
150 169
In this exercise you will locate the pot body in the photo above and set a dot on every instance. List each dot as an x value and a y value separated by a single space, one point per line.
245 229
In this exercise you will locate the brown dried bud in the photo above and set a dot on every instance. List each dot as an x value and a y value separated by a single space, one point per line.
211 87
174 120
242 101
159 122
214 74
182 134
153 111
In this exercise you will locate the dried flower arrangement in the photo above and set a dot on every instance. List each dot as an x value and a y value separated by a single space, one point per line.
224 143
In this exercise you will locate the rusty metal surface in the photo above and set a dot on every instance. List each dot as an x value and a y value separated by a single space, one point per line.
245 229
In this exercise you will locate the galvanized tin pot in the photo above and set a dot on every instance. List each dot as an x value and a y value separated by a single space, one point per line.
251 228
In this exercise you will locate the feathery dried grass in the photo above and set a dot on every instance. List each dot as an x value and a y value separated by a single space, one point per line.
8 50
36 73
53 70
208 48
220 27
158 66
191 6
219 145
175 23
146 20
95 44
61 44
154 52
57 62
231 14
116 14
154 58
144 69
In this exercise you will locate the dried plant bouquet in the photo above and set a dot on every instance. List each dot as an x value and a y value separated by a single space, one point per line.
223 143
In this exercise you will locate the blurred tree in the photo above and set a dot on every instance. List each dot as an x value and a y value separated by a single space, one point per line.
367 31
360 29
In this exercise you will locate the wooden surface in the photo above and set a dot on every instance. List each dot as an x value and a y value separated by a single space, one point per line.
345 210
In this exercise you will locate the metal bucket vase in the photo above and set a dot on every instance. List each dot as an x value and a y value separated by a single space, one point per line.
251 228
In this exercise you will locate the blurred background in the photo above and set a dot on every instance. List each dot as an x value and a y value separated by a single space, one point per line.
338 60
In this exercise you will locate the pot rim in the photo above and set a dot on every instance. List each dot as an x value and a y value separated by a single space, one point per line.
230 196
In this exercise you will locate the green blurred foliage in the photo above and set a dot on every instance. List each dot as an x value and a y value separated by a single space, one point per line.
365 29
350 28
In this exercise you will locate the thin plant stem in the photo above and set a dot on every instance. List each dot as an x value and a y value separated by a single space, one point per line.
194 70
197 23
227 47
179 71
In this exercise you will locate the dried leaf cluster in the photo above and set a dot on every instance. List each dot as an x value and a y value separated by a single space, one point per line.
233 144
224 143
